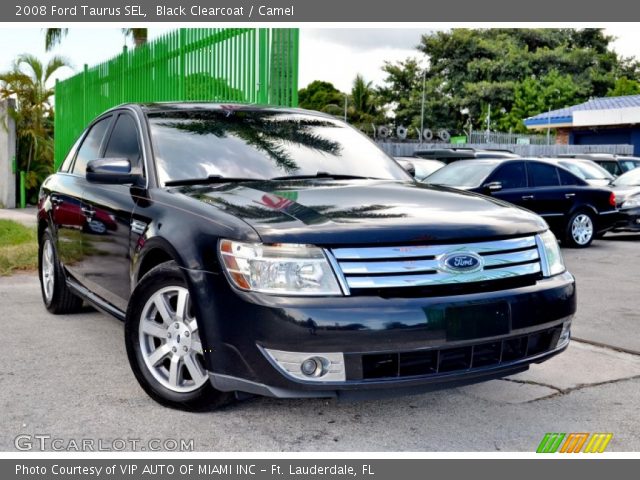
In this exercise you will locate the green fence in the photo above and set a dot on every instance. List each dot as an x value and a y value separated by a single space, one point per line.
242 65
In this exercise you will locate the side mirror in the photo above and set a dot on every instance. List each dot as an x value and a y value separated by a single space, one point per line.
113 171
493 187
410 167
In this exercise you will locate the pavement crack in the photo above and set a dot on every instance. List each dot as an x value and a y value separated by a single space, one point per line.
566 391
606 347
531 382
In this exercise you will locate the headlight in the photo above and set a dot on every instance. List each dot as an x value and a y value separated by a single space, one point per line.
631 203
550 255
285 269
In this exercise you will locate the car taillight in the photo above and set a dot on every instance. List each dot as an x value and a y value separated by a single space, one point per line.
612 199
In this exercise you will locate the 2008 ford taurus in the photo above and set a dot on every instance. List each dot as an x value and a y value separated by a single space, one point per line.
279 252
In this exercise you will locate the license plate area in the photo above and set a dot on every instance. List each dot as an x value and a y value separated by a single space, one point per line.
477 321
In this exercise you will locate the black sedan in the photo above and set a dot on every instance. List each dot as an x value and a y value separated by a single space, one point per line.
280 252
574 210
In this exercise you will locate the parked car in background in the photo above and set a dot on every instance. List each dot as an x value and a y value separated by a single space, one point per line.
280 252
419 168
574 210
615 164
589 171
449 155
627 190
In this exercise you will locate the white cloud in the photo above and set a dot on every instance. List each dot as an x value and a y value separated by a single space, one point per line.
338 55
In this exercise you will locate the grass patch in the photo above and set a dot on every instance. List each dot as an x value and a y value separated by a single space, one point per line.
18 247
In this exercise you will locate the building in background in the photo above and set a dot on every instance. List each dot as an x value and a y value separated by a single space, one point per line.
600 121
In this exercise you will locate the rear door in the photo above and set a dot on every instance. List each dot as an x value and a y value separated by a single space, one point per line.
66 198
108 210
550 199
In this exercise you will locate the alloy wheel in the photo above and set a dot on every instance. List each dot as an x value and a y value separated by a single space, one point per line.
48 270
170 340
582 229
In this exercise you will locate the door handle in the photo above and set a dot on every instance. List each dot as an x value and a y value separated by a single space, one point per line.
569 195
527 197
55 200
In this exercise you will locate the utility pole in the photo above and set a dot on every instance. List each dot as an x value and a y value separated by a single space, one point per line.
424 79
549 126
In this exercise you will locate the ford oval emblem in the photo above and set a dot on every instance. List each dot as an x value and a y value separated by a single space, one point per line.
462 262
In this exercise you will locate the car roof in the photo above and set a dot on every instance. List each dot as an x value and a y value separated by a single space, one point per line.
594 156
418 159
163 107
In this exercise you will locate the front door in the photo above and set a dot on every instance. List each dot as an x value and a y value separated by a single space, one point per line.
108 213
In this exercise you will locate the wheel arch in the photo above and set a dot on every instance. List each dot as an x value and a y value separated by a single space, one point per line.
155 252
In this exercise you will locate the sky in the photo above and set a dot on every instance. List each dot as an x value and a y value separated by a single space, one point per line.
335 55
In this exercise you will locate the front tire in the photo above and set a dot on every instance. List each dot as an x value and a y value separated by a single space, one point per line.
163 343
57 297
580 230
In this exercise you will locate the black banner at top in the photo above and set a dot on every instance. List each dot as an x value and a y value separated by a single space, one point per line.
222 11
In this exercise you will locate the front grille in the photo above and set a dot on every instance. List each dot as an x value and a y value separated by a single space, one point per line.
446 360
418 267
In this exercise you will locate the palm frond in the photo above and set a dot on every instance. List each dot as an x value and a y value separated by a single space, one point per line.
53 36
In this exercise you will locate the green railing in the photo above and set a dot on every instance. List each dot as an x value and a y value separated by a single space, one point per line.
243 65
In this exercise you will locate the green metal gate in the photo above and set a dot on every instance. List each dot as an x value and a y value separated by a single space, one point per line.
243 65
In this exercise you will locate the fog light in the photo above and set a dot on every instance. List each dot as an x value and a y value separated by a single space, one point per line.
565 335
316 367
312 367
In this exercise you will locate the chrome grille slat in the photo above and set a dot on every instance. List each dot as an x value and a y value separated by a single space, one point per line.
396 281
422 266
371 253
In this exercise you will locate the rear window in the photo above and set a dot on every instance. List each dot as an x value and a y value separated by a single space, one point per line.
262 145
587 170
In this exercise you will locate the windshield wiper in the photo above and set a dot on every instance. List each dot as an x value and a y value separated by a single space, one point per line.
211 179
334 176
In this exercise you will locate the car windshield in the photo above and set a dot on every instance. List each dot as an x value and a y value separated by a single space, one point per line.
587 170
262 144
631 178
424 168
464 173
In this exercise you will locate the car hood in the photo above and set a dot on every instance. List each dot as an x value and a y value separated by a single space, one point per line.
330 212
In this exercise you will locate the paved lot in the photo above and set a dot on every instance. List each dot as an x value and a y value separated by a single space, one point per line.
68 377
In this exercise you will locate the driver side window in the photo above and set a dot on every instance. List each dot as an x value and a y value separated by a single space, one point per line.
124 143
511 175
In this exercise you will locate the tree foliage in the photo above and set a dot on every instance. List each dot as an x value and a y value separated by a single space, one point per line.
319 95
54 36
27 83
516 73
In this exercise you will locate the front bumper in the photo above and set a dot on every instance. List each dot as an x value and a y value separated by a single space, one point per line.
389 344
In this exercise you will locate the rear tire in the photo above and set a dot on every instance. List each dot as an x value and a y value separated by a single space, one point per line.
163 343
580 230
56 295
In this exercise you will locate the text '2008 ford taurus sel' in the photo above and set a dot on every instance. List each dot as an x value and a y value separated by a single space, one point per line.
279 252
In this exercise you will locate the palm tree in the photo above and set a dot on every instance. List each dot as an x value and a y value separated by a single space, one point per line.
27 83
53 36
